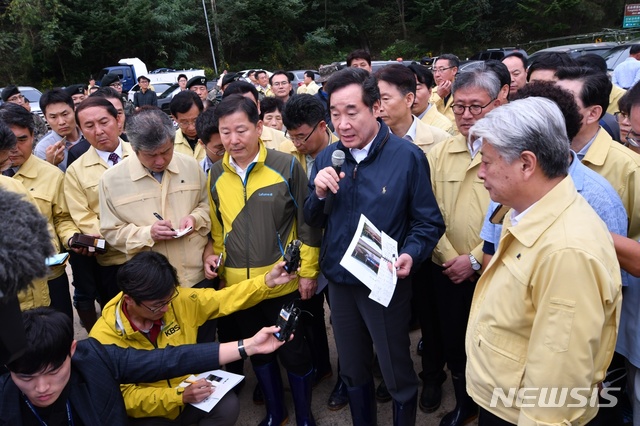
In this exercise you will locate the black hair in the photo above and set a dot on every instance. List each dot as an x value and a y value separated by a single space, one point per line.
207 125
238 103
624 103
270 104
454 61
591 60
240 88
635 49
15 115
302 109
596 86
96 101
183 101
398 75
182 75
359 76
49 335
310 74
524 59
423 74
108 92
279 72
500 70
55 96
562 97
147 276
550 61
7 138
358 54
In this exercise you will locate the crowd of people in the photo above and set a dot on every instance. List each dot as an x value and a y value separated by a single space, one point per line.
510 188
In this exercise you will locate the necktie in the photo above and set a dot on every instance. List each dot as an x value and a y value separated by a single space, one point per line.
113 157
9 172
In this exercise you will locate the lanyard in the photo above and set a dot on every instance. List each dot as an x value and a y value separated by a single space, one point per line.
35 413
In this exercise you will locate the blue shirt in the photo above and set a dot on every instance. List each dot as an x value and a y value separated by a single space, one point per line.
627 73
594 188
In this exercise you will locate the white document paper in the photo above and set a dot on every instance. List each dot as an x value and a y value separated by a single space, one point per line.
182 232
371 257
223 381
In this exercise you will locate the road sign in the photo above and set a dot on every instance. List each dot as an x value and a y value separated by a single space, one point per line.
631 16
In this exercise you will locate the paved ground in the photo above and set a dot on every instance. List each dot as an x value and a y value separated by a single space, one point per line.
251 414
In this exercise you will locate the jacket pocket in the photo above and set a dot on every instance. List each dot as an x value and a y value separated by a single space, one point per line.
559 322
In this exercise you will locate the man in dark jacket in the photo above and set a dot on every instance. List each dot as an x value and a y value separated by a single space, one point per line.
386 179
59 381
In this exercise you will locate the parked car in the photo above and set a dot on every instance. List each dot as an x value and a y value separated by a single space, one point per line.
164 98
496 54
577 50
33 96
618 54
159 88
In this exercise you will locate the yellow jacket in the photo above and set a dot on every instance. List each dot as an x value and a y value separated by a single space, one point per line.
621 167
461 196
45 182
444 109
37 294
614 97
288 147
189 310
129 195
311 89
435 118
428 136
81 192
253 221
272 138
545 312
182 146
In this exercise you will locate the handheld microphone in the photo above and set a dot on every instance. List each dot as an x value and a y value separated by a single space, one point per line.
337 160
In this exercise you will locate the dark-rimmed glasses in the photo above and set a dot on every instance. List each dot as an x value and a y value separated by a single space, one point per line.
301 140
158 307
473 109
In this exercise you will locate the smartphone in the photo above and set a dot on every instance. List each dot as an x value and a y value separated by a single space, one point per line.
56 259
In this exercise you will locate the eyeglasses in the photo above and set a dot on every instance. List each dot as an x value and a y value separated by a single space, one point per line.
473 109
301 140
621 116
219 153
280 83
16 99
441 70
186 123
633 139
115 85
162 305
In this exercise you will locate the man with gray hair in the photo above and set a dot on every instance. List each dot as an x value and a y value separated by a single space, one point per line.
545 311
157 199
449 277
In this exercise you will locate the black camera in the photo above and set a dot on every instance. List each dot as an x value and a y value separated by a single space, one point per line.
292 256
287 321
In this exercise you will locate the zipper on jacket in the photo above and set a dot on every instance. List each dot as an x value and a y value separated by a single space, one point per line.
246 244
355 171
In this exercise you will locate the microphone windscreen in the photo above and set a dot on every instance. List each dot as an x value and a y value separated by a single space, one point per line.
337 158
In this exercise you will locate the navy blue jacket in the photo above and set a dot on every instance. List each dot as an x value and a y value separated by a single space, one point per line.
97 372
391 187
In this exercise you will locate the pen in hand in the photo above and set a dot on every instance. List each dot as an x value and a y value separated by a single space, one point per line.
160 218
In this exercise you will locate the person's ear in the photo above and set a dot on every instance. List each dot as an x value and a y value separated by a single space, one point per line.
529 163
74 345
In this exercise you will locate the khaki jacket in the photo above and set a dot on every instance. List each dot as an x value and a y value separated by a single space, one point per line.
182 146
545 313
444 109
435 118
311 89
81 192
272 138
614 97
429 136
45 182
621 167
129 195
461 196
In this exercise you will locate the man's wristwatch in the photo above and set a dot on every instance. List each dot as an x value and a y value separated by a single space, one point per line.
475 265
241 349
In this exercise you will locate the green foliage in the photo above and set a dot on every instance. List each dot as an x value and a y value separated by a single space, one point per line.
59 42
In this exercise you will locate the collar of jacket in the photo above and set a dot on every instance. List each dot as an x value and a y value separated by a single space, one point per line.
544 213
597 153
378 143
262 156
93 157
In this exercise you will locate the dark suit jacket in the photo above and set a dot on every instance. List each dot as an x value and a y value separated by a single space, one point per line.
97 371
77 150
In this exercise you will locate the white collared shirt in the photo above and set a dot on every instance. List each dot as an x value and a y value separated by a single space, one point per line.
239 170
105 154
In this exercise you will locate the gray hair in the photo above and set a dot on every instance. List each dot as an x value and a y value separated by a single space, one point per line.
532 124
149 129
479 78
